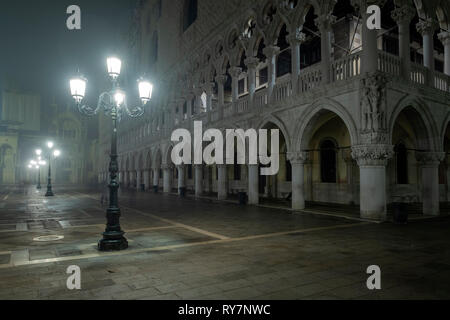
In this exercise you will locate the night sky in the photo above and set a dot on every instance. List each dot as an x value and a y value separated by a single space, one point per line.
39 54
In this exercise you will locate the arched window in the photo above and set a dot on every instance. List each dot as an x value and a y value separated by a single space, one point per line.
190 13
402 163
328 161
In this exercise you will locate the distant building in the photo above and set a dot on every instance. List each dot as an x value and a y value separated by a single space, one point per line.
26 125
363 114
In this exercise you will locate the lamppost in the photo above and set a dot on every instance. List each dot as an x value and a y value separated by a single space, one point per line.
37 165
114 103
55 154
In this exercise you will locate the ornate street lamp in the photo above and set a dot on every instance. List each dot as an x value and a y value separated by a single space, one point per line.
55 154
114 103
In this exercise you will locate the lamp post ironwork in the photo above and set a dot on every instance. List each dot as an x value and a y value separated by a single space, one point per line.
114 103
55 154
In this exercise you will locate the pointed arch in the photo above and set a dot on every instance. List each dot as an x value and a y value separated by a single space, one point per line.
426 129
302 133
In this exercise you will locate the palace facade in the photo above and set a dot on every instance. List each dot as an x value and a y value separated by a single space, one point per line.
363 114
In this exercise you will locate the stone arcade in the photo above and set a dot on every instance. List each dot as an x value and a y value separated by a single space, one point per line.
363 114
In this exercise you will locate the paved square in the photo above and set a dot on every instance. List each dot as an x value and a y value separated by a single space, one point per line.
200 249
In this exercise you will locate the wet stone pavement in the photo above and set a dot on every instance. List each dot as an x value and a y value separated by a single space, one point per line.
198 249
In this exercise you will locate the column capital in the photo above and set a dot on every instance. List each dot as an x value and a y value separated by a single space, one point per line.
235 71
426 27
296 38
430 158
198 91
271 51
251 62
403 14
208 86
221 79
444 37
373 154
297 157
325 22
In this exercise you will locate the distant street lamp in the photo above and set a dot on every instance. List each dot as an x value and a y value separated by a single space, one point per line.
113 102
37 165
55 154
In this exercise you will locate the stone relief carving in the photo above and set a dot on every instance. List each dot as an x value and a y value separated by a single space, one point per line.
372 155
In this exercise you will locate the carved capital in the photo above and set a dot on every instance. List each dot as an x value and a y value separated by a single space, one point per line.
430 158
271 51
325 22
221 79
403 14
445 38
426 27
251 62
296 38
235 71
373 154
297 157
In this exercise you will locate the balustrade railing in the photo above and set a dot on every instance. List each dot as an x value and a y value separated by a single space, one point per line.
345 68
261 98
228 110
389 63
310 78
243 104
418 73
282 89
442 81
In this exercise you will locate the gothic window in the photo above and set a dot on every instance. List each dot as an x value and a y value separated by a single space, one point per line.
284 60
190 13
402 163
328 161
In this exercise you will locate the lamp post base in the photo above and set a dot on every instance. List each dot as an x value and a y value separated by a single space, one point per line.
49 193
112 244
39 187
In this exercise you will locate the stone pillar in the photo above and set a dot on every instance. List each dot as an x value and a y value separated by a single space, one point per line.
138 180
156 177
209 93
126 178
271 53
403 16
167 170
222 191
297 160
253 184
350 179
198 100
426 28
198 180
146 179
325 23
445 39
295 40
372 161
189 105
369 63
251 63
207 182
181 178
235 73
221 80
429 166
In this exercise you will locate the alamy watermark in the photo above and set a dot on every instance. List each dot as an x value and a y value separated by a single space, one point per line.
214 152
73 22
